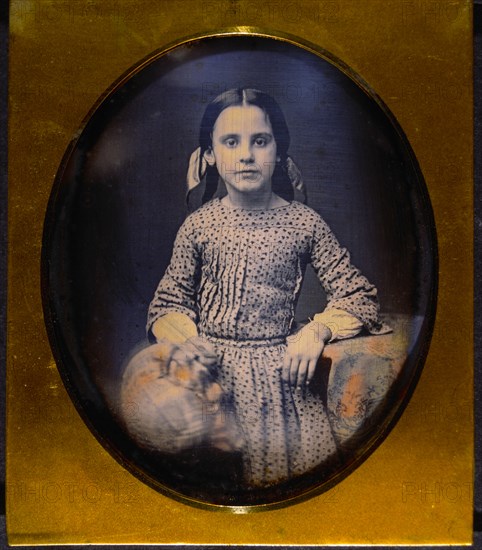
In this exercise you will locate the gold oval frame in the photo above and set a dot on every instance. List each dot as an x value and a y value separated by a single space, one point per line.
388 423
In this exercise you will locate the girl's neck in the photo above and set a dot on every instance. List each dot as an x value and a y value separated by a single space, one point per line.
266 201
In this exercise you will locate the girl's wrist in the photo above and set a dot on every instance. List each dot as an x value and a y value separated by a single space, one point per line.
322 332
325 332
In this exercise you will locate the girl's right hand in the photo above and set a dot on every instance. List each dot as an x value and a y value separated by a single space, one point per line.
303 350
202 350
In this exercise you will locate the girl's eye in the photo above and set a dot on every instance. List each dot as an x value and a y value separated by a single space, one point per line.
231 142
260 142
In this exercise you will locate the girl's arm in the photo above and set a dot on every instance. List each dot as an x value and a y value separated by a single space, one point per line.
352 304
352 299
173 311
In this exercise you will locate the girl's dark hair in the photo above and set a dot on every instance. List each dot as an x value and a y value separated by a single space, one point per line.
281 183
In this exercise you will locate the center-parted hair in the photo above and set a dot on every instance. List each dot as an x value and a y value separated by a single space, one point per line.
281 184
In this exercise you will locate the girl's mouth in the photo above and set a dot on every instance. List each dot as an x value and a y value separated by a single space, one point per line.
248 173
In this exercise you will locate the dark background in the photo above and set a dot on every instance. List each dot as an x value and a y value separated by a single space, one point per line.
478 225
120 200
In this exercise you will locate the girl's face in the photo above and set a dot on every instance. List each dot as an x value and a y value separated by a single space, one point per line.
243 149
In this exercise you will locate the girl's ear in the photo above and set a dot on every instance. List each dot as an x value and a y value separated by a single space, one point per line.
209 157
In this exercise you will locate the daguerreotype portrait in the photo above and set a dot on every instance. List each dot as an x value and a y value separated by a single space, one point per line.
240 271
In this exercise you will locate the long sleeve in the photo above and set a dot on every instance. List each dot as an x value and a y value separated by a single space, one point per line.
346 288
177 290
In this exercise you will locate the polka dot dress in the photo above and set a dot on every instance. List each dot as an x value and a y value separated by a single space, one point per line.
237 273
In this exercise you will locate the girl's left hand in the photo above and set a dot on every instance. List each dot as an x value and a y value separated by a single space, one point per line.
304 348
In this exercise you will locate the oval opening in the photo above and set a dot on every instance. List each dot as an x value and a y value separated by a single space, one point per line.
115 209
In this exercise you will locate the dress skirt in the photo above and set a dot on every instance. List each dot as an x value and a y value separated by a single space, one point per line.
286 430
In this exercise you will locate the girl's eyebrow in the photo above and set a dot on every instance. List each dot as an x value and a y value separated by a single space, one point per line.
258 134
227 136
263 134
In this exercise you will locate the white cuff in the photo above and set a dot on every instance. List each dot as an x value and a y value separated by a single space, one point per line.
341 323
175 327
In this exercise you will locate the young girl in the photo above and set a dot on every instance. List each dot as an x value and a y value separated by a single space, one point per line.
234 278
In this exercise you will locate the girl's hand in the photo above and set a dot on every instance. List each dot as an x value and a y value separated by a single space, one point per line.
202 350
304 348
193 364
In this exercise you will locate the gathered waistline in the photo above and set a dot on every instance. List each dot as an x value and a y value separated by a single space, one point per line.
249 342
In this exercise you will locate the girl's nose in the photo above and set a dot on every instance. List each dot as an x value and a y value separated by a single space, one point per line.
246 154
